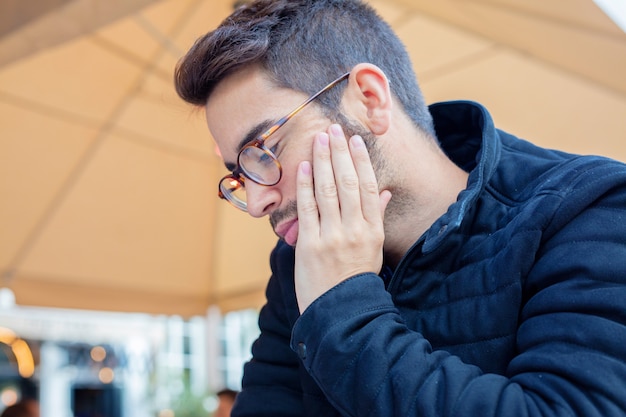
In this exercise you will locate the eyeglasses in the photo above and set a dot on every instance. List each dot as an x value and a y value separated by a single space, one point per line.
257 162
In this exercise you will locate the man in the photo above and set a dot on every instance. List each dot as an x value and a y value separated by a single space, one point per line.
225 400
429 263
28 407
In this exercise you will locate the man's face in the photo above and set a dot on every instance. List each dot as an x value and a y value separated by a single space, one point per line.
243 106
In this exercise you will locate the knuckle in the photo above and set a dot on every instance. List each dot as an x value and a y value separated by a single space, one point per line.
305 185
350 182
307 207
336 239
328 190
340 145
370 187
324 156
361 155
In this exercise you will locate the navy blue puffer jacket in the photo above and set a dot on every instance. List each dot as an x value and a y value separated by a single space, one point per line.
512 304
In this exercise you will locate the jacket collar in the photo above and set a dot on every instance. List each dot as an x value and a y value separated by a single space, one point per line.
468 136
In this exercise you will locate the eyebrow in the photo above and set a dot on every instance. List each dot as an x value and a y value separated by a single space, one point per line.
252 134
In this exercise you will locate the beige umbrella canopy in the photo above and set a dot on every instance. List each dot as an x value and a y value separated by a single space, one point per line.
108 180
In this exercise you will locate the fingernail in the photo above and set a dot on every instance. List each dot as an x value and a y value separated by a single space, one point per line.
305 168
357 141
335 129
323 139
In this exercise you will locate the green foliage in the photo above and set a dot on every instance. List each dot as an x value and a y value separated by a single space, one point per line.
189 405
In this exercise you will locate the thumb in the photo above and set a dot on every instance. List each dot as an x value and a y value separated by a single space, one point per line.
384 197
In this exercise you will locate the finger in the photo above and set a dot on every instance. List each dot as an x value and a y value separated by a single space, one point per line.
346 178
385 198
308 216
324 182
368 185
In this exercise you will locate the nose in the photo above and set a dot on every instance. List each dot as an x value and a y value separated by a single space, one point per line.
261 199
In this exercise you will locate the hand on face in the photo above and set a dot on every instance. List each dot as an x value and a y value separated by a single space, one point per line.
340 216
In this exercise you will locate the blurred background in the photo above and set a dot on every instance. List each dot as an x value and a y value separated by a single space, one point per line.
127 288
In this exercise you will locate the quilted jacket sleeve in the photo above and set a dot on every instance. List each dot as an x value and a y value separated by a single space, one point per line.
571 338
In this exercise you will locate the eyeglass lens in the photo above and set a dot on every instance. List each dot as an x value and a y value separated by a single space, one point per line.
234 192
259 165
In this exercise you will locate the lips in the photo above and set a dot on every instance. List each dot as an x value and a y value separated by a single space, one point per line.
288 231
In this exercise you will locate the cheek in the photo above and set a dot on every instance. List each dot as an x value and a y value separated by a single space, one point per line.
298 148
289 161
288 181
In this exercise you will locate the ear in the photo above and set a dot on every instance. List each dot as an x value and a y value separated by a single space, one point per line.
368 97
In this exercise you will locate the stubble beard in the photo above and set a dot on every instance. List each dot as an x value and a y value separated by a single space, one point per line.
386 174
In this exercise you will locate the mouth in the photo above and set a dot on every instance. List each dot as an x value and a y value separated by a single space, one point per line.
288 231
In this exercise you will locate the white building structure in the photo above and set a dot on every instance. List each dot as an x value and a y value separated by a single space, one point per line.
131 365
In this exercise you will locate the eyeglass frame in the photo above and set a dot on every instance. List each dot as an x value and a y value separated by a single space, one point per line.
238 174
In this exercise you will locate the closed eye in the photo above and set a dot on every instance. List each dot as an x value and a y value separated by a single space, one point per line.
265 158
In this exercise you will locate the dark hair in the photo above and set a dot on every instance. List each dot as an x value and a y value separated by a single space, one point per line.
19 409
228 393
302 44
